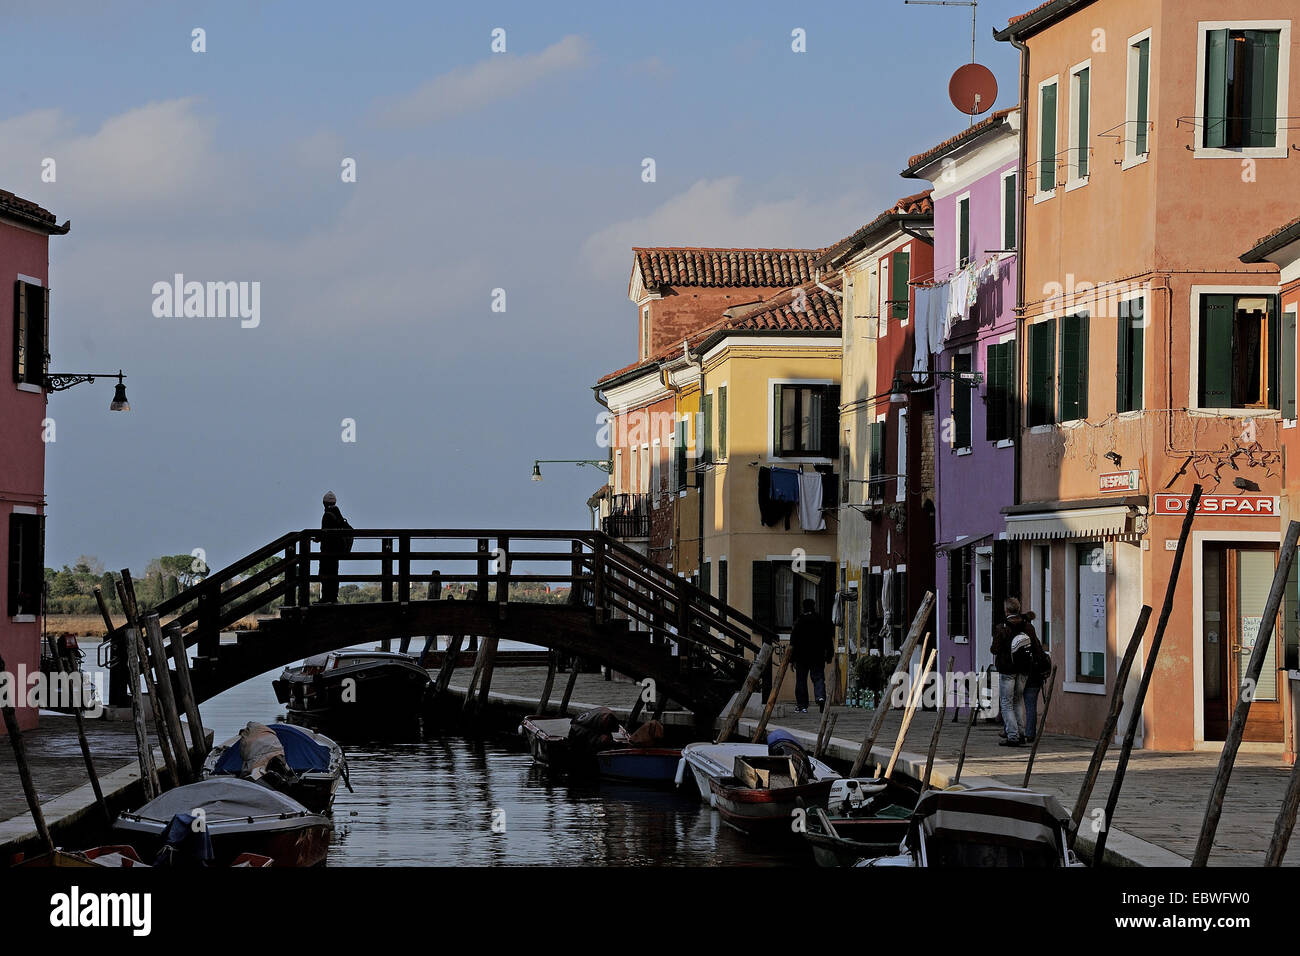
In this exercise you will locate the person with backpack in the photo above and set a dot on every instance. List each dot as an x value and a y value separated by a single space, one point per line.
331 547
1014 651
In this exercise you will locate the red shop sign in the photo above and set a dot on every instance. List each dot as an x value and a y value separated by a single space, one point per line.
1245 506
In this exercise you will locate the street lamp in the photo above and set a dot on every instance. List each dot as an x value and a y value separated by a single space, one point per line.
603 464
59 381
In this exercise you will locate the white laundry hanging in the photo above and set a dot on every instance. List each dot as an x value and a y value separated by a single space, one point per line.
810 501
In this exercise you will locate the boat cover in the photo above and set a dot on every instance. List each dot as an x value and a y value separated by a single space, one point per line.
220 798
185 845
998 814
297 745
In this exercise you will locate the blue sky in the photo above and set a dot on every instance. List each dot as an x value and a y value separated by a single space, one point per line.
475 171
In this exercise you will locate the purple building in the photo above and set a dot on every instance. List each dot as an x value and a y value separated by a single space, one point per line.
971 333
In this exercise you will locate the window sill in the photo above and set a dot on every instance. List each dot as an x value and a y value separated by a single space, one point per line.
1270 414
24 618
28 387
962 451
1074 184
1004 443
1075 687
1043 197
1135 160
1130 415
1072 423
1041 429
1243 152
1288 423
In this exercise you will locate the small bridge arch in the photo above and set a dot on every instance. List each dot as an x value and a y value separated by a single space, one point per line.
621 609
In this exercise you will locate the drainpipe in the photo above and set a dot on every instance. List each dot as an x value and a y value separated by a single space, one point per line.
1021 193
698 362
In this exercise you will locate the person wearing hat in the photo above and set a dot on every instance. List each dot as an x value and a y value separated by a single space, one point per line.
332 546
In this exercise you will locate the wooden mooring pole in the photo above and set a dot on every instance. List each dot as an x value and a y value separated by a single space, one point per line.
568 687
20 758
552 660
144 752
1246 695
198 738
761 661
167 696
1048 694
1112 719
904 657
911 710
1135 718
135 639
448 664
973 711
786 655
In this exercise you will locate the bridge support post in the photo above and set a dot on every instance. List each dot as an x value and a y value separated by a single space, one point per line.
386 571
289 567
545 699
304 569
404 568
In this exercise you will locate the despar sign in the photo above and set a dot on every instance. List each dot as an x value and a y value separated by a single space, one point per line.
1245 506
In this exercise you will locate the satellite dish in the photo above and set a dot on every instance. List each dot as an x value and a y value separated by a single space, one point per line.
973 88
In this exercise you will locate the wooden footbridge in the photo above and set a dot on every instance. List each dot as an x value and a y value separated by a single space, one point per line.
622 610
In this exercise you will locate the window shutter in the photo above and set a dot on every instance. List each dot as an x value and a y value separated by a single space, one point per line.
994 424
722 422
1073 392
963 231
706 578
680 455
1216 88
44 353
1143 86
706 424
955 626
899 288
777 450
722 581
1216 352
830 421
1263 53
1042 368
1009 217
20 331
1047 139
961 402
877 454
1287 371
1123 370
1081 132
1274 333
761 593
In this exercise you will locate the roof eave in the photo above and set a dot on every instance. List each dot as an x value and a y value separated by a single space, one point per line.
836 255
721 334
1262 250
1039 20
36 222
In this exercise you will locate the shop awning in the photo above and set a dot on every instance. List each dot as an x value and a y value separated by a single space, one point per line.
962 542
1112 522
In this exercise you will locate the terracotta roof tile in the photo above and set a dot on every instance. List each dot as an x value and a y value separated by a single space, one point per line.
948 144
802 308
719 268
1283 235
918 204
15 207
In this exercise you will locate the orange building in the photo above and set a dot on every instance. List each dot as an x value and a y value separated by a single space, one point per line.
1149 357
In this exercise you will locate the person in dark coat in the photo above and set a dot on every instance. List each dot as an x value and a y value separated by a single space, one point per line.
812 646
1015 646
331 546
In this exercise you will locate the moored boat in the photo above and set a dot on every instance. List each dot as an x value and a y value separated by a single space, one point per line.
237 816
985 826
307 766
863 817
762 793
548 740
354 686
707 762
639 764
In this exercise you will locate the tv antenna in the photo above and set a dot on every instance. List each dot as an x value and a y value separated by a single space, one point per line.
973 87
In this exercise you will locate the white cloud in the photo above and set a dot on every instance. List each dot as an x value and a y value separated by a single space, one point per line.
715 212
500 76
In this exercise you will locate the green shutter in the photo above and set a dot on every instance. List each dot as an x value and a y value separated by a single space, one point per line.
1042 371
1262 47
1215 348
777 450
722 422
899 276
1129 356
1047 139
1274 333
961 402
995 417
1073 389
1081 130
1009 216
20 331
1287 372
1216 88
1143 87
963 231
706 425
761 593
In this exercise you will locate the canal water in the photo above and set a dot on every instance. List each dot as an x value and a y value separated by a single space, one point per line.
431 802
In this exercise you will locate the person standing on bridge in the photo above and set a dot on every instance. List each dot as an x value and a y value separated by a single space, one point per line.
812 644
331 547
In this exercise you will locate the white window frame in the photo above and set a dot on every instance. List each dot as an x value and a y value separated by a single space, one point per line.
1070 645
882 298
656 471
618 471
1194 337
772 457
1039 195
1282 147
956 239
1072 178
1011 173
900 469
28 386
1131 156
645 468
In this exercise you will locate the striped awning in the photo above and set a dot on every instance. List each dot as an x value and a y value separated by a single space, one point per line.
1113 522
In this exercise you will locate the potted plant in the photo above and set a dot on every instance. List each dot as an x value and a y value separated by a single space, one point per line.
871 673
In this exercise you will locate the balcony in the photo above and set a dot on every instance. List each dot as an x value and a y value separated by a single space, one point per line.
629 517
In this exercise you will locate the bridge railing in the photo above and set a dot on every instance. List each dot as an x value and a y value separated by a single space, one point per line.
601 572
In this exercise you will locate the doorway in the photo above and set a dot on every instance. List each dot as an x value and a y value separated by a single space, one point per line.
1235 584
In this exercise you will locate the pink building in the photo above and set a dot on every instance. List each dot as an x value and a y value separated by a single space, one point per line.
25 229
